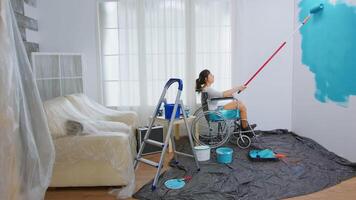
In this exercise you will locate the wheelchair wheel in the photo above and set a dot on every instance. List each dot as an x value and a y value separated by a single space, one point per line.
210 128
200 110
243 141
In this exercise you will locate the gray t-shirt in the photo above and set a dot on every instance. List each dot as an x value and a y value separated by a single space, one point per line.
212 93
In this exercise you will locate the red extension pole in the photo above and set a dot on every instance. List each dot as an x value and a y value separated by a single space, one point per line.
264 64
276 52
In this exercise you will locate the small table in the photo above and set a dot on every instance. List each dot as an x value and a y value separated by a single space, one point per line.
165 122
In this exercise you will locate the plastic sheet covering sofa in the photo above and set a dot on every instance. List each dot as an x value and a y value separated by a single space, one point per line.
26 149
92 108
101 156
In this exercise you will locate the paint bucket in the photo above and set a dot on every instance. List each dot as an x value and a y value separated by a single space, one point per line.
224 155
202 152
168 109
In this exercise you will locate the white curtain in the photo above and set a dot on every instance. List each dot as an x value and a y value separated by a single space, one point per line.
26 149
213 40
149 41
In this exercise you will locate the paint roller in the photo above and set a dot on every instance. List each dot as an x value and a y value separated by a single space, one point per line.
312 11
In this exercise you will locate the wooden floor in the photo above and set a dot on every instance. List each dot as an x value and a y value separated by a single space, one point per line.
342 191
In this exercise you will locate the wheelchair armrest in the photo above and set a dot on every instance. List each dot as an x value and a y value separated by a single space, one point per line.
222 98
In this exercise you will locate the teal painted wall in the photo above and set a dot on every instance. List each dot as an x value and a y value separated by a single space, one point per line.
329 49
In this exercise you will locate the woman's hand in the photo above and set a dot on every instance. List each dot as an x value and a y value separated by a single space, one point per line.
232 91
242 88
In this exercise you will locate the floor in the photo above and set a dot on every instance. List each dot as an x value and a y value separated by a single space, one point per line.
342 191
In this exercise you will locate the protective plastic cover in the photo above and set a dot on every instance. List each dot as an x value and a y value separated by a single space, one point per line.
26 149
103 136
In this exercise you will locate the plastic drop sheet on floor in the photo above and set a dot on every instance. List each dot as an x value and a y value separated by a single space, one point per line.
307 168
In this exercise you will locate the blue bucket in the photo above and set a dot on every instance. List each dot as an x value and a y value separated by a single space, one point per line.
168 109
224 155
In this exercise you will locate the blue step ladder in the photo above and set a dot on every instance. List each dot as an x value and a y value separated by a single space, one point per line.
169 135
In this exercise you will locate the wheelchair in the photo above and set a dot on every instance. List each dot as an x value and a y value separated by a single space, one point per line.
213 126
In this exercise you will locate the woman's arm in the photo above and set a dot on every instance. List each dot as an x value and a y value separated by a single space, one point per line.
229 93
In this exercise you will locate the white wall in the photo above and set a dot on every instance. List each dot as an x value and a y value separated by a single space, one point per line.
330 125
263 26
70 26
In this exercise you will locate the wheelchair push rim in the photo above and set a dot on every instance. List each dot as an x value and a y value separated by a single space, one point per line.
210 128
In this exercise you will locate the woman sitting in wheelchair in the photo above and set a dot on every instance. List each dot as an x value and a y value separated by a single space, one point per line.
203 85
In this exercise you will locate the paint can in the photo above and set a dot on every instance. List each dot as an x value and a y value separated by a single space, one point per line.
202 152
224 155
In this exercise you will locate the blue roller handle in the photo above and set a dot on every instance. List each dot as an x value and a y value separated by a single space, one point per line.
172 80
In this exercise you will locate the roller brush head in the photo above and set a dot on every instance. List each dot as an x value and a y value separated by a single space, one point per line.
317 9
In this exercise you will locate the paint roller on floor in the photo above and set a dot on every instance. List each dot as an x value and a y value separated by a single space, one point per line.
312 11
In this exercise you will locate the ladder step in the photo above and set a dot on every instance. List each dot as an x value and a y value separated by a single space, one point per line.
154 143
184 154
149 162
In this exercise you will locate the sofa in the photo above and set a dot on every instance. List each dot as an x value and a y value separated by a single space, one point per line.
102 154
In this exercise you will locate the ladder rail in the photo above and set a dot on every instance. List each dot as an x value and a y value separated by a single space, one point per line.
168 136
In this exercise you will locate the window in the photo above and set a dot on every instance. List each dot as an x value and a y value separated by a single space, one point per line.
144 43
57 74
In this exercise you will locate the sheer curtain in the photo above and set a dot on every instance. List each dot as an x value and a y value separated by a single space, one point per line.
120 61
165 49
26 149
146 42
213 40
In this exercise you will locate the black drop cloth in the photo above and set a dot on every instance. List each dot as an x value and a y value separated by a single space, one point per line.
308 168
